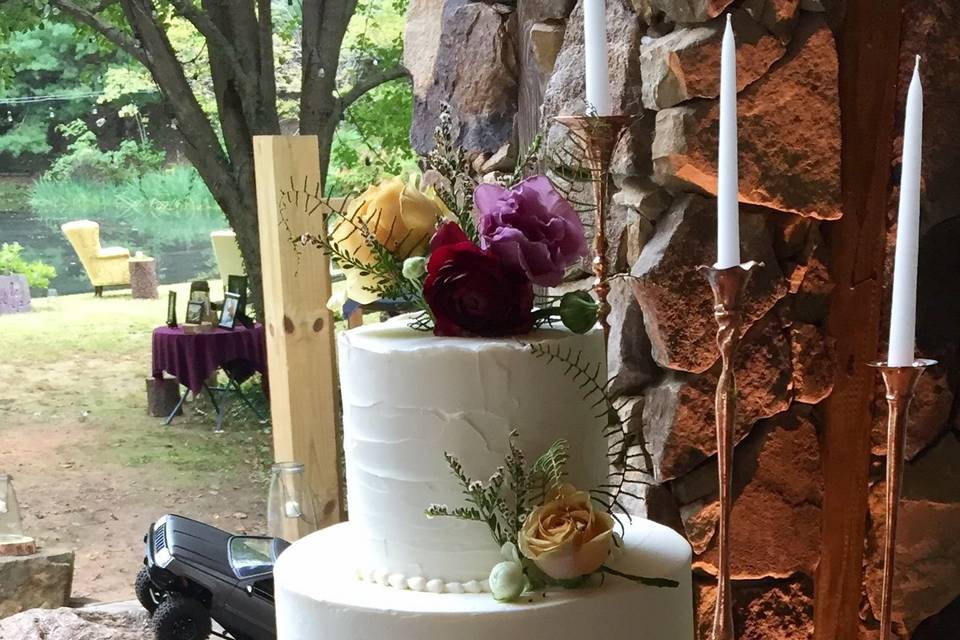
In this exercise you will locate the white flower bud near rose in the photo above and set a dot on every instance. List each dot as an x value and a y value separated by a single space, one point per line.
507 581
414 268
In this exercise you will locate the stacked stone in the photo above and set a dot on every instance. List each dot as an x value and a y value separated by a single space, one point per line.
505 70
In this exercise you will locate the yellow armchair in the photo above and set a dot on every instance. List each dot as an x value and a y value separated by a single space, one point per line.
105 266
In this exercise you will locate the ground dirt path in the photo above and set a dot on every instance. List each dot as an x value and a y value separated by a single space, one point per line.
91 469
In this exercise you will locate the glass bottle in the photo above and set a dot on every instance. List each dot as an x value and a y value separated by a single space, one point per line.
12 540
291 505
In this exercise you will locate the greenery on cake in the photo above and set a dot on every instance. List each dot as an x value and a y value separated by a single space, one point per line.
461 250
549 532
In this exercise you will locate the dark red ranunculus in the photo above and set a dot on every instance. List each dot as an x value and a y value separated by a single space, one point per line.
448 233
474 293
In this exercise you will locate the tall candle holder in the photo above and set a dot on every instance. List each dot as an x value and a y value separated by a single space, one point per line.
901 384
728 286
599 136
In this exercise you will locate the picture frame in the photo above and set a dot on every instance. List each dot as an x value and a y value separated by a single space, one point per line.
172 309
229 311
238 284
200 285
196 311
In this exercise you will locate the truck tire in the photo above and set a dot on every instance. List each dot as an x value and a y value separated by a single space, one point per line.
147 594
179 618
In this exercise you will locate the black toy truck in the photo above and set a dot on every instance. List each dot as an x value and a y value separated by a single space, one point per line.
194 572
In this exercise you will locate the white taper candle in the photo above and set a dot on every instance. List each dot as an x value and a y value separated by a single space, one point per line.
728 207
903 311
596 57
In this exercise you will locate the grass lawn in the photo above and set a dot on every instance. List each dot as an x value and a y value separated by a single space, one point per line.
91 468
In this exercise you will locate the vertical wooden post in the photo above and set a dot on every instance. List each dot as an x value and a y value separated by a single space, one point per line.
300 332
869 47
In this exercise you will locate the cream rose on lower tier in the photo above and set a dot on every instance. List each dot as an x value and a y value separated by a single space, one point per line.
566 537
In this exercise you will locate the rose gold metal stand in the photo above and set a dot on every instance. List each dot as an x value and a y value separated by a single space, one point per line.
728 286
599 136
901 382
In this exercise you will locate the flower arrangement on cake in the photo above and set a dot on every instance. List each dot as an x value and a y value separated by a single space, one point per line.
461 254
466 255
549 532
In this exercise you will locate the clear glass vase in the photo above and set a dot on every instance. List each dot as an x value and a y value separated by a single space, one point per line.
291 505
11 524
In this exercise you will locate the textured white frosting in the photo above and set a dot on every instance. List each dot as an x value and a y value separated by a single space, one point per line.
318 595
408 397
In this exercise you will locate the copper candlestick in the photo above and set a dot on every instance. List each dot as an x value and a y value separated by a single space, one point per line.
728 286
599 136
901 383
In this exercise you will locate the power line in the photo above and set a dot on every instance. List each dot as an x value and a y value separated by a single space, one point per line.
61 97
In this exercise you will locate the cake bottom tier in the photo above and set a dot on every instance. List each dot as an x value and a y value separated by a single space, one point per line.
318 597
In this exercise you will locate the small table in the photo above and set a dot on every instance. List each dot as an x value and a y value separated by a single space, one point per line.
193 357
143 277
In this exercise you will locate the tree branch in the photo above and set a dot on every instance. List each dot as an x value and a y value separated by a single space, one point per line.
209 30
103 4
371 82
111 33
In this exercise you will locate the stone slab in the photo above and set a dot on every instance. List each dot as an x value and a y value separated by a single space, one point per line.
41 580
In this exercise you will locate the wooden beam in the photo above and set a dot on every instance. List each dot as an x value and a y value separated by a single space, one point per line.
300 329
869 46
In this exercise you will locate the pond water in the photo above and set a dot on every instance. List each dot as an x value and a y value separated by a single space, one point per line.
189 259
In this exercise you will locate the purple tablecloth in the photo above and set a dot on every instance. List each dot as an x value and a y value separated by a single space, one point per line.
193 358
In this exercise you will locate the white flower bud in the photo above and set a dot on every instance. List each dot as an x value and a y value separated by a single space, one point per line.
414 268
507 581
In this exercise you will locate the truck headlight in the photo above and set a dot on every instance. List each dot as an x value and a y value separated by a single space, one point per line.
162 558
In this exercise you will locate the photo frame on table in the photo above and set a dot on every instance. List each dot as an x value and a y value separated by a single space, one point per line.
238 284
196 311
172 309
229 311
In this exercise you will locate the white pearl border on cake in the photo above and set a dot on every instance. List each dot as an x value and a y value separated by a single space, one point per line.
401 582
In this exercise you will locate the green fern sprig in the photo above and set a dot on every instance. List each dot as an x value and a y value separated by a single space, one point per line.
552 464
606 407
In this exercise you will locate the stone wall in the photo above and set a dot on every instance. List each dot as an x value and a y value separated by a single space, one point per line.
664 68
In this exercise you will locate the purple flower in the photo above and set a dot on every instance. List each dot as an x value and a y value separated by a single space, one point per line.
532 227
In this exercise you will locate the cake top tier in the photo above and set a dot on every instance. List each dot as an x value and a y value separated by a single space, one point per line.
410 397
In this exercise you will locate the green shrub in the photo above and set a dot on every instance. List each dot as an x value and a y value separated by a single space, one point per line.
38 273
85 161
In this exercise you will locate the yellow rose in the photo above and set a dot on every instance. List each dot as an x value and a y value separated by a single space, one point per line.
401 218
565 537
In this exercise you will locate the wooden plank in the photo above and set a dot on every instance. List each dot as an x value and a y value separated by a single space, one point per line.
300 329
869 44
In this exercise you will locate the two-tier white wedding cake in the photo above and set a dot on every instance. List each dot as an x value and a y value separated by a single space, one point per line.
391 573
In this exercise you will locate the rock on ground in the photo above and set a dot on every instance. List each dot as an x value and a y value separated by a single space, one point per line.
43 579
75 624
